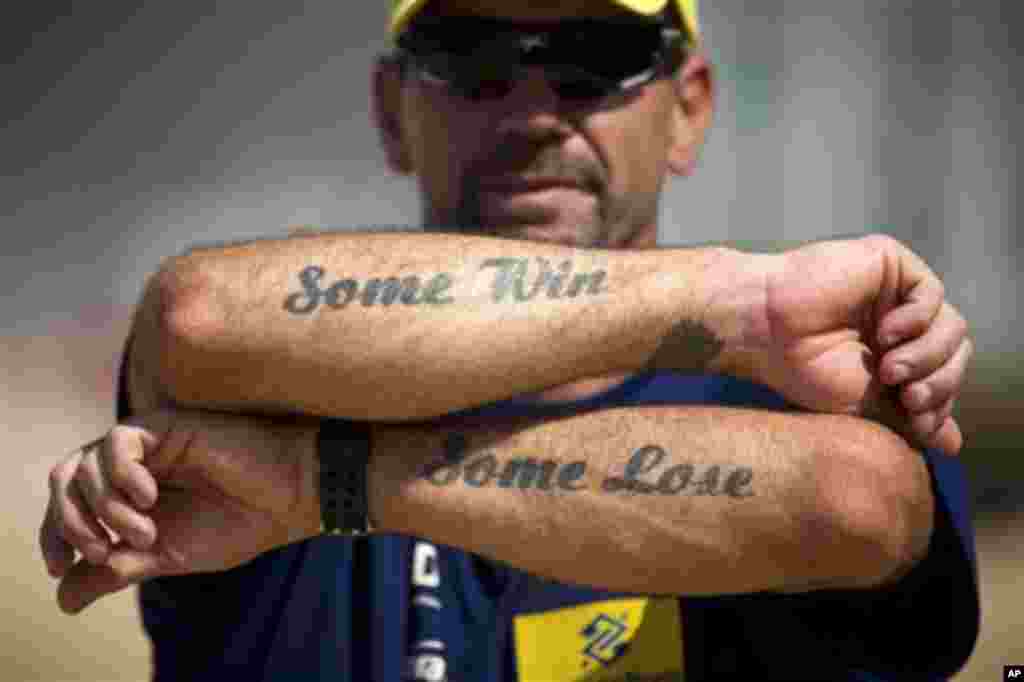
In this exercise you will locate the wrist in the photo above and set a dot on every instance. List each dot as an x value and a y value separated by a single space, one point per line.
711 303
737 312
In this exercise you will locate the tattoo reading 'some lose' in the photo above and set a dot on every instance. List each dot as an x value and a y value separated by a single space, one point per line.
645 473
510 281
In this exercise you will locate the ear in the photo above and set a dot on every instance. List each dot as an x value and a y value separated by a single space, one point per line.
694 111
387 108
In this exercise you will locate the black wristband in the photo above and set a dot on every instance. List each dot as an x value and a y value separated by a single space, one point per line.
343 449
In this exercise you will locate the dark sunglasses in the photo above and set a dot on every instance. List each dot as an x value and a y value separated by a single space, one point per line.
481 58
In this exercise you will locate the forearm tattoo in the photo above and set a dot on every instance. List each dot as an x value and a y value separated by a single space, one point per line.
687 347
513 282
508 279
409 290
649 470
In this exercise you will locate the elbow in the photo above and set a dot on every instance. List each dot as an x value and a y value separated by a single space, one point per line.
188 314
875 499
176 319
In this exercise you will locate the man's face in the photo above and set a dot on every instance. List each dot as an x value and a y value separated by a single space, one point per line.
534 165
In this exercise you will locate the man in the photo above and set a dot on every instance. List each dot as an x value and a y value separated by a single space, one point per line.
582 457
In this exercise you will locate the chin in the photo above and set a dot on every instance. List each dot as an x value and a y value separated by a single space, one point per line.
550 229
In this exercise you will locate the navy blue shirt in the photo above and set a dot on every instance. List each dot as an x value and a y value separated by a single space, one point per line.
389 607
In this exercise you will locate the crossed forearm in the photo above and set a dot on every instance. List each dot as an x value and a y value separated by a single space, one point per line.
387 326
683 499
658 499
410 326
706 500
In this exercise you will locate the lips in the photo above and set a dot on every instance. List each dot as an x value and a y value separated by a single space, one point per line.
516 184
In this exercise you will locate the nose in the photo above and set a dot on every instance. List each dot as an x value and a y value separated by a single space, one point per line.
532 106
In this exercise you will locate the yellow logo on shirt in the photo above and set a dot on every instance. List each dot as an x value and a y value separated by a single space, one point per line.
621 640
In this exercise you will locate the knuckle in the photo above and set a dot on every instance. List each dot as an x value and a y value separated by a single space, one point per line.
114 457
880 241
908 359
83 482
960 324
935 292
940 388
106 507
120 573
174 558
943 380
925 423
968 349
119 472
121 438
56 476
75 533
64 469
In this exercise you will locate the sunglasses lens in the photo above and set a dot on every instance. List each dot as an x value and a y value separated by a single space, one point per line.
467 77
581 90
580 62
485 89
576 84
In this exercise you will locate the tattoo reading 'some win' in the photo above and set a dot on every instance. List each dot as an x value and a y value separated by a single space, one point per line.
511 280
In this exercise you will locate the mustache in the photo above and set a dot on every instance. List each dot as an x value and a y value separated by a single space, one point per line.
513 157
521 155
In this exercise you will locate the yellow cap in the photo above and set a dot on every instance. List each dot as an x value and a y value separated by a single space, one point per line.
402 12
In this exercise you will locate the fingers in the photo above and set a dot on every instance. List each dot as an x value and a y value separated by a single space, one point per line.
911 296
58 554
930 392
104 485
72 520
937 346
941 386
122 462
85 582
102 490
913 317
94 490
937 429
926 347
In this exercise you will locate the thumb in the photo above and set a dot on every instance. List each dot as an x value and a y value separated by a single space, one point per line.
125 566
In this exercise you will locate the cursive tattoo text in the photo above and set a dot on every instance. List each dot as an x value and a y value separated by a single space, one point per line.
509 280
385 291
648 471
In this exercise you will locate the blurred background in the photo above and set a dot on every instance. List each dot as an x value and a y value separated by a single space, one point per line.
132 130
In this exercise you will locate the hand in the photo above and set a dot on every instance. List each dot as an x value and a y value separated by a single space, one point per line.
862 327
220 489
